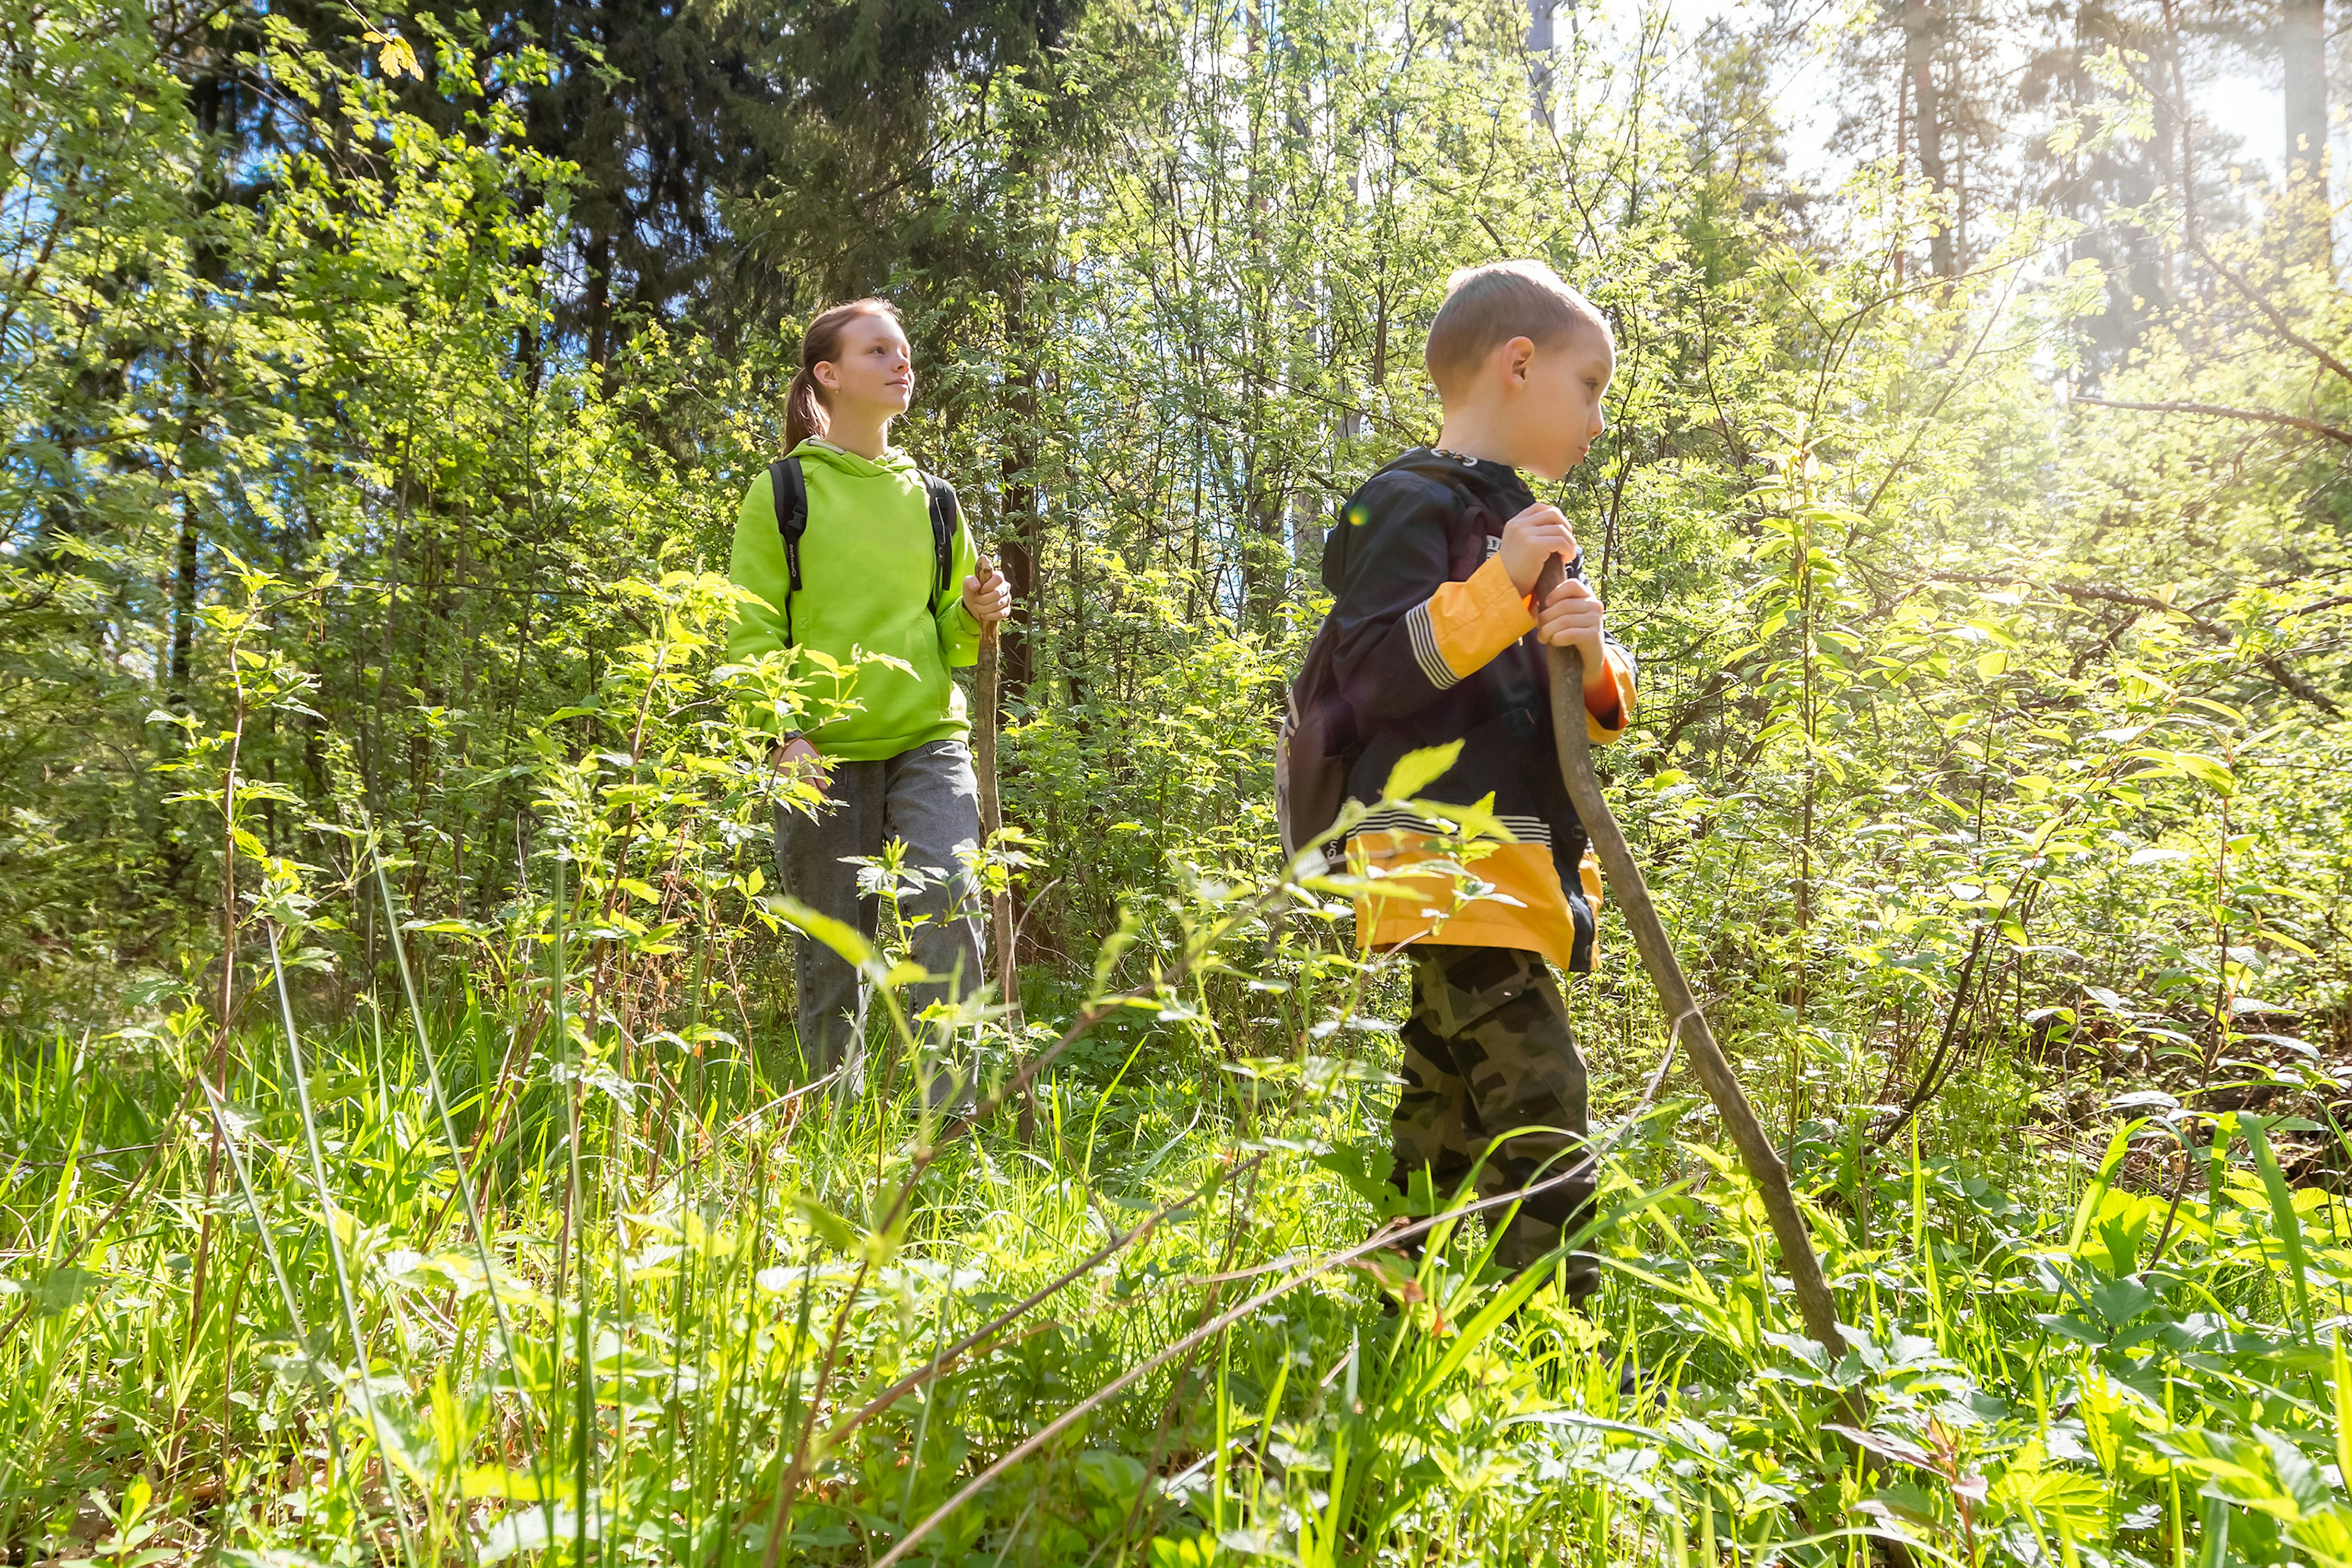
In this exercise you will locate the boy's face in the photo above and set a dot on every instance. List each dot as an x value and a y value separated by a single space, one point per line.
1553 398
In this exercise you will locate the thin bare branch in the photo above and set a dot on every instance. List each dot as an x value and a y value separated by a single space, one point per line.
2335 433
981 1336
2269 312
2272 664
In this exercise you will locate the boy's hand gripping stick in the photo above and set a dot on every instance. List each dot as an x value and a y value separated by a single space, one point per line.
1688 1023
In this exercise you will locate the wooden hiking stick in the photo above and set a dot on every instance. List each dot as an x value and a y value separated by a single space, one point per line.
1688 1023
991 823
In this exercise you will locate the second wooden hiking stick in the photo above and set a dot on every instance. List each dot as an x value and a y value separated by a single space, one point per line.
1685 1022
992 816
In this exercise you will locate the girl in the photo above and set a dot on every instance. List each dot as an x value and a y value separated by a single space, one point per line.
868 554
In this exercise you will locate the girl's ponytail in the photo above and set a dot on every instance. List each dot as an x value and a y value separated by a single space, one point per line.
804 413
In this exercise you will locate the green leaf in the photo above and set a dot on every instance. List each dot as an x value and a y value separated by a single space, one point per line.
830 1228
1365 1168
1994 630
2342 1369
1115 1478
2283 1214
2207 770
1184 1551
839 935
527 1530
1416 770
59 1290
1474 822
498 1481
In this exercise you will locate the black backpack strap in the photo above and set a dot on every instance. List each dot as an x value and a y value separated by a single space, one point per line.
946 513
788 488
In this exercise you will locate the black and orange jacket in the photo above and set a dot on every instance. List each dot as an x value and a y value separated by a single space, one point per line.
1432 644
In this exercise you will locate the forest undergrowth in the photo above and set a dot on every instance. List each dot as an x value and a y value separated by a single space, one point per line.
620 1293
704 1313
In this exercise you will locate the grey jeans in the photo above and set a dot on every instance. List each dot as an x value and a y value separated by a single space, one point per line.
928 798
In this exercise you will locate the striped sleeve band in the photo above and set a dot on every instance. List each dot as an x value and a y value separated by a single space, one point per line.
1424 649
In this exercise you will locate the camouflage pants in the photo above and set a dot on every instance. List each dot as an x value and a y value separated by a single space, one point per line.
1487 1050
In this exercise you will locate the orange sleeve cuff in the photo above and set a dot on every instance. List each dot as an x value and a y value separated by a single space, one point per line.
1595 730
1467 623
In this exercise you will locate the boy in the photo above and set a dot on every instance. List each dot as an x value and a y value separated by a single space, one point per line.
1436 638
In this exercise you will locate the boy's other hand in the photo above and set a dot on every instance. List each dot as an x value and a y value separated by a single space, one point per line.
1532 538
988 596
1572 617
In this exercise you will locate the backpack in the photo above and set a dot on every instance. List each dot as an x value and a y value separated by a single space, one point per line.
789 486
1314 750
1318 745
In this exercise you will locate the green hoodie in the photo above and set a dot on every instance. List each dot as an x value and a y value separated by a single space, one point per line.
867 570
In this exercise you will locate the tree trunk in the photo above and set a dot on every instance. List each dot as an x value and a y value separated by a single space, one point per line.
1901 166
1540 47
184 606
599 309
2184 120
1922 31
1018 536
2302 50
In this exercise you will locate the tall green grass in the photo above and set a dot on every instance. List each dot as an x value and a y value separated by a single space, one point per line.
463 1279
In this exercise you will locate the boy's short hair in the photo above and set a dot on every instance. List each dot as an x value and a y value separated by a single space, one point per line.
1492 304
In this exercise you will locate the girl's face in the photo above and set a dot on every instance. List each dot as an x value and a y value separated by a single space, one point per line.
875 374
